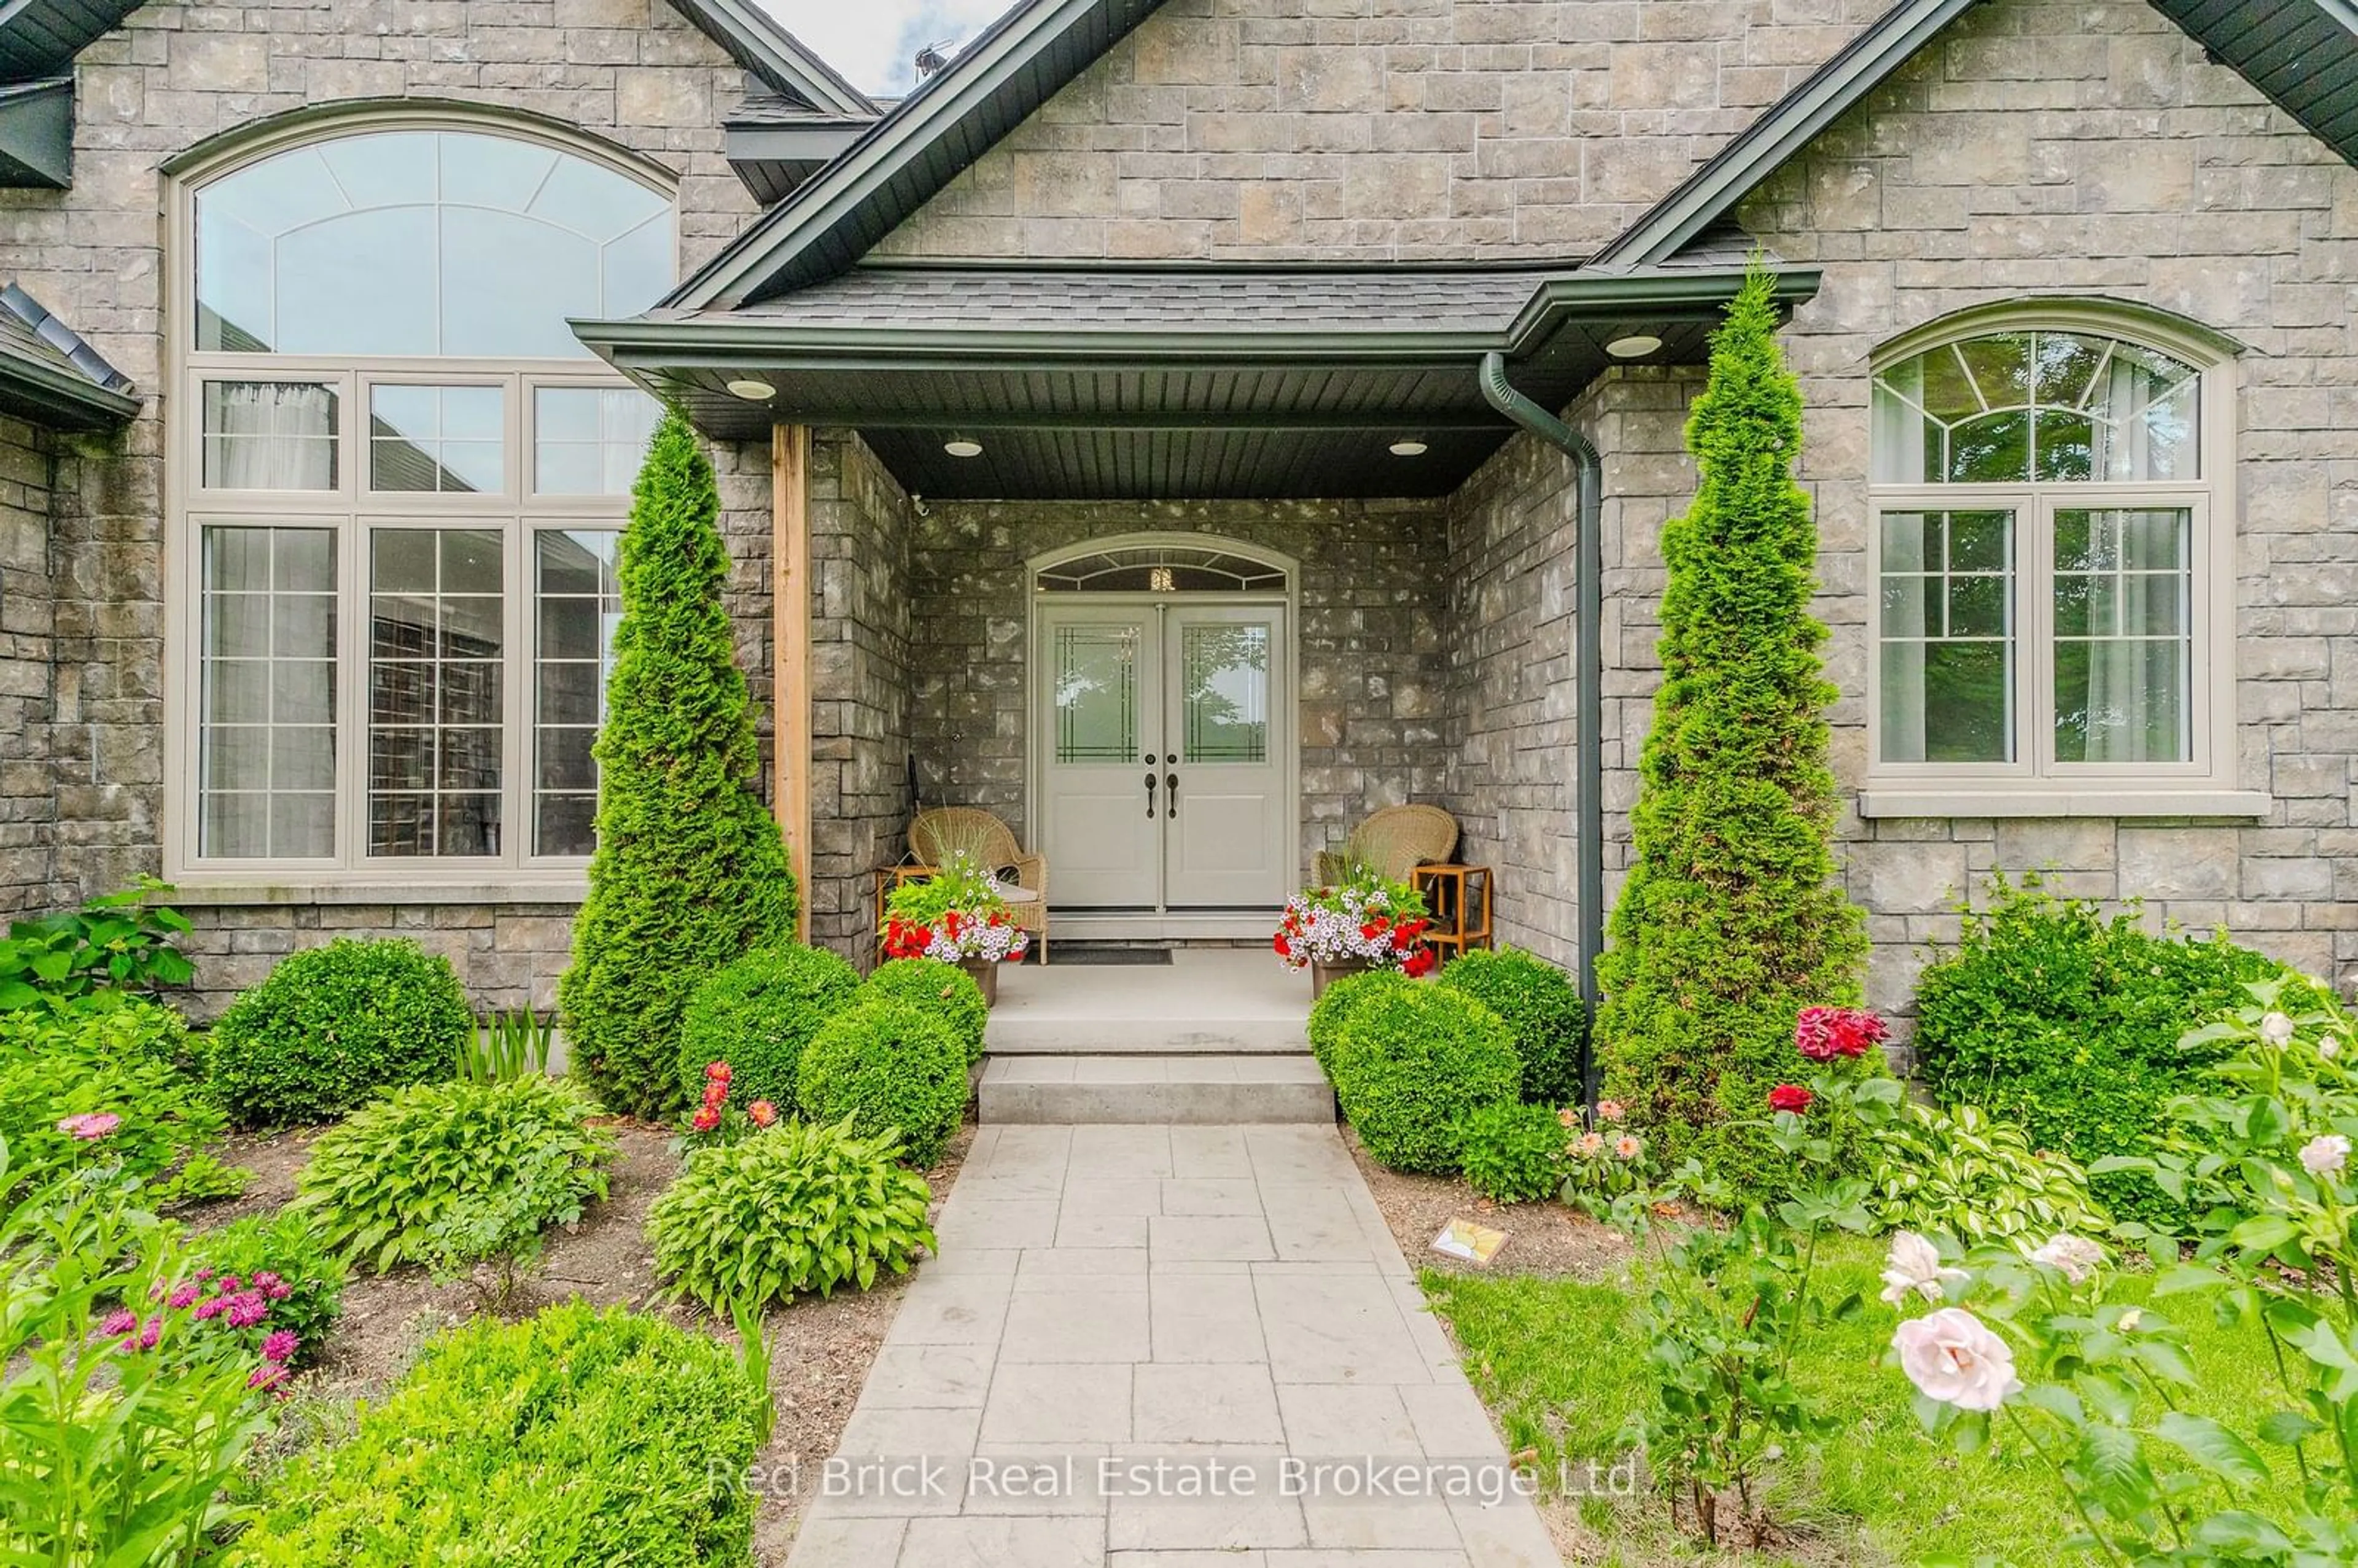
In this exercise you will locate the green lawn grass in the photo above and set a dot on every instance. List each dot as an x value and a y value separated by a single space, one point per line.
1562 1365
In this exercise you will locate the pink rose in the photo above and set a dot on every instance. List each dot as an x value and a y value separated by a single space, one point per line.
91 1125
1951 1356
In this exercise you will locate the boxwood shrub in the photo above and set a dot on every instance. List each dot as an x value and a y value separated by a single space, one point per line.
1542 1010
757 1014
890 1067
1513 1152
378 1185
575 1437
1411 1063
332 1027
1336 1005
803 1207
2050 1015
945 990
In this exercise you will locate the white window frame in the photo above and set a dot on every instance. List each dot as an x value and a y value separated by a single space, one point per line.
2035 783
351 510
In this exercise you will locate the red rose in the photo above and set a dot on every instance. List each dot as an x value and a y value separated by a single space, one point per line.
1790 1097
1823 1033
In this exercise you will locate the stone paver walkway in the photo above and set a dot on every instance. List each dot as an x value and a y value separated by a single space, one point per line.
1166 1347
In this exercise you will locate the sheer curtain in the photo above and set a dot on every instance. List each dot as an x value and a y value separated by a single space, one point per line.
271 435
2134 712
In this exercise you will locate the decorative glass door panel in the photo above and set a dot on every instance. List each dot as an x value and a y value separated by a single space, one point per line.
1102 819
1224 836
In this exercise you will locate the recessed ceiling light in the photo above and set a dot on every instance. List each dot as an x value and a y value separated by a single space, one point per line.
1408 447
1635 346
963 447
752 391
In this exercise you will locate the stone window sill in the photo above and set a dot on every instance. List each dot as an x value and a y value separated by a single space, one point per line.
1922 802
193 893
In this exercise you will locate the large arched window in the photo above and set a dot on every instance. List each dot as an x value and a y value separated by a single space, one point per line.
400 479
2052 537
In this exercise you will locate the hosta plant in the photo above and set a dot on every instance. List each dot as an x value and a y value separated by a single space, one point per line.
380 1185
1959 1169
800 1209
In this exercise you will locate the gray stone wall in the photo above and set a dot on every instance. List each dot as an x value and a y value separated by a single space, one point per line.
29 798
633 70
1380 130
861 676
506 954
1372 672
2091 149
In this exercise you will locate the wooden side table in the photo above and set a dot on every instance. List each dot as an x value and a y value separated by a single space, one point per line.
1458 900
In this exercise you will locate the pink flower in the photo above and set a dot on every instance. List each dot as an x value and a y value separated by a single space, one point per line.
1823 1033
228 1283
206 1273
2325 1155
121 1321
705 1120
265 1376
1628 1146
271 1285
89 1125
186 1293
211 1306
1953 1358
1588 1145
279 1345
246 1309
1610 1111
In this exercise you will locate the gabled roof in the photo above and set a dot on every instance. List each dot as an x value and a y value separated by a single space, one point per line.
49 376
40 37
952 118
775 143
755 40
2302 54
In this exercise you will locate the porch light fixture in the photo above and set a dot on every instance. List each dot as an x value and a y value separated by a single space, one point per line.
1635 346
963 447
752 391
1408 447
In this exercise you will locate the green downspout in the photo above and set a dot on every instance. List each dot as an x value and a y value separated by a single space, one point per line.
1588 685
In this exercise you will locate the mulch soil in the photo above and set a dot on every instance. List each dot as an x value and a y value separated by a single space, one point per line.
819 1349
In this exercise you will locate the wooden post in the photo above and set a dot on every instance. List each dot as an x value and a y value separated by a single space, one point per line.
790 654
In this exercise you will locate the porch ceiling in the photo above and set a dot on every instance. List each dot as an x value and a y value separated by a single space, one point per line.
1207 383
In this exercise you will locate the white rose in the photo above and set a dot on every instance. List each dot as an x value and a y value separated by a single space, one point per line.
1914 1265
1950 1357
2276 1029
2075 1255
2325 1154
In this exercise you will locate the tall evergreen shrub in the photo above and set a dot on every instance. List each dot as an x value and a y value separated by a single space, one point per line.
1731 922
689 870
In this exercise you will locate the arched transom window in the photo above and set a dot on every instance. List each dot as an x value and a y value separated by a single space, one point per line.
401 480
2050 561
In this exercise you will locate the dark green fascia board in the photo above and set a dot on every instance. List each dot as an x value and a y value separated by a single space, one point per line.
1442 420
58 399
1733 173
725 342
755 40
1667 295
885 177
36 134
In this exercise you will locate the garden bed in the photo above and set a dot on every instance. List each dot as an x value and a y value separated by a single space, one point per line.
820 1348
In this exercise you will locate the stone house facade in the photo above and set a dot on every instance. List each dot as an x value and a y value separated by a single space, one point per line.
1213 287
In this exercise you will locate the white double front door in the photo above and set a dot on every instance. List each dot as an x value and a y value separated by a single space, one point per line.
1162 762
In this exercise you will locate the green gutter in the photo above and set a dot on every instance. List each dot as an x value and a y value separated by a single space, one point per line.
61 397
1701 295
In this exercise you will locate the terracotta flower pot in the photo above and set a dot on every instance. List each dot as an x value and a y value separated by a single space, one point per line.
986 974
1324 974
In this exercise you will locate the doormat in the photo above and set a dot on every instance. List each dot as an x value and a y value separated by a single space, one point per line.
1126 957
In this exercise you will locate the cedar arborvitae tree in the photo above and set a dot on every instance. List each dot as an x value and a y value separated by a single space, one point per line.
1731 921
689 872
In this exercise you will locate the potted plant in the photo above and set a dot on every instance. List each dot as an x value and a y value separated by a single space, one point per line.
959 916
1366 922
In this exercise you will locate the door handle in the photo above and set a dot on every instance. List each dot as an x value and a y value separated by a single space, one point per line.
1171 796
1149 797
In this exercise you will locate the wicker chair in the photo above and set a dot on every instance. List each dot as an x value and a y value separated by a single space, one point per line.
944 832
1392 843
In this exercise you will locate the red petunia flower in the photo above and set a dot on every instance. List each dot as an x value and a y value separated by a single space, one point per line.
1419 964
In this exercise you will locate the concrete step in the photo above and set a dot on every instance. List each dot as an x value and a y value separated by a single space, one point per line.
1138 1089
1204 1002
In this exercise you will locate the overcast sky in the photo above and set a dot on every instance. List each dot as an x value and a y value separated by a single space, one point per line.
874 42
